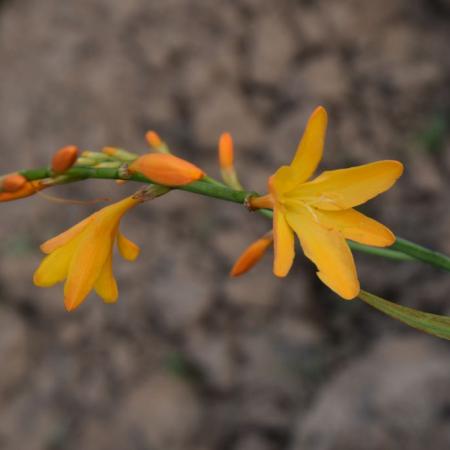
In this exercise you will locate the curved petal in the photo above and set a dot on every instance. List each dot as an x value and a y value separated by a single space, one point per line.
329 251
357 227
64 237
106 285
86 265
310 148
128 249
54 267
282 181
283 243
345 188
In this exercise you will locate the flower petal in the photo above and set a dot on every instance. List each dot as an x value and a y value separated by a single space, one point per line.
357 227
282 181
329 251
128 249
106 285
63 238
283 243
54 267
310 149
86 265
345 188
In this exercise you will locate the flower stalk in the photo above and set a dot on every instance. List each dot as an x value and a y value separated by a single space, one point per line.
402 249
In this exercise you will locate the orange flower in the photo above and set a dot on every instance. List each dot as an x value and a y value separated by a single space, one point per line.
320 212
82 256
166 169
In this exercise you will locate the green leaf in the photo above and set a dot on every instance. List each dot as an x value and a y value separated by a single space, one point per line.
429 323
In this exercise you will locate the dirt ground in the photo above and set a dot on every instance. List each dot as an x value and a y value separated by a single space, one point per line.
190 359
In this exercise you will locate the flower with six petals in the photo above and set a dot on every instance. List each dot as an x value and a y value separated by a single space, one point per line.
321 211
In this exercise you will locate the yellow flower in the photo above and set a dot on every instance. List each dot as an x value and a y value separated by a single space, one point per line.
82 255
320 212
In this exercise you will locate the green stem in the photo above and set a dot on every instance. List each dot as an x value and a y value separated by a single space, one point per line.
422 253
400 250
377 251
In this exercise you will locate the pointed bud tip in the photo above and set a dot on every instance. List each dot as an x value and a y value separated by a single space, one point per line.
153 139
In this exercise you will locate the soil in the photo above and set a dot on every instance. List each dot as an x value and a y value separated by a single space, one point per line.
190 359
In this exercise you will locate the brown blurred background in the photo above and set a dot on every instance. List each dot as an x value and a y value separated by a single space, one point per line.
189 359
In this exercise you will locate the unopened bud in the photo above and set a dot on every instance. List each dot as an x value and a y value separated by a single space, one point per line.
226 160
29 188
226 151
95 156
156 143
252 255
166 169
13 182
120 154
64 158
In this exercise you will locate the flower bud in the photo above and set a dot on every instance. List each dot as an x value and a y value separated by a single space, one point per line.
166 169
29 188
13 182
155 142
226 160
64 158
120 154
226 151
252 255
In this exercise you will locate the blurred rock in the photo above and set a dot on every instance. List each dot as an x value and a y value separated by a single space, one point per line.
226 110
271 49
396 395
13 350
164 411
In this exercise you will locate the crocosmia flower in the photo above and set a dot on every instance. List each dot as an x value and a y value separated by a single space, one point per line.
82 255
321 211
